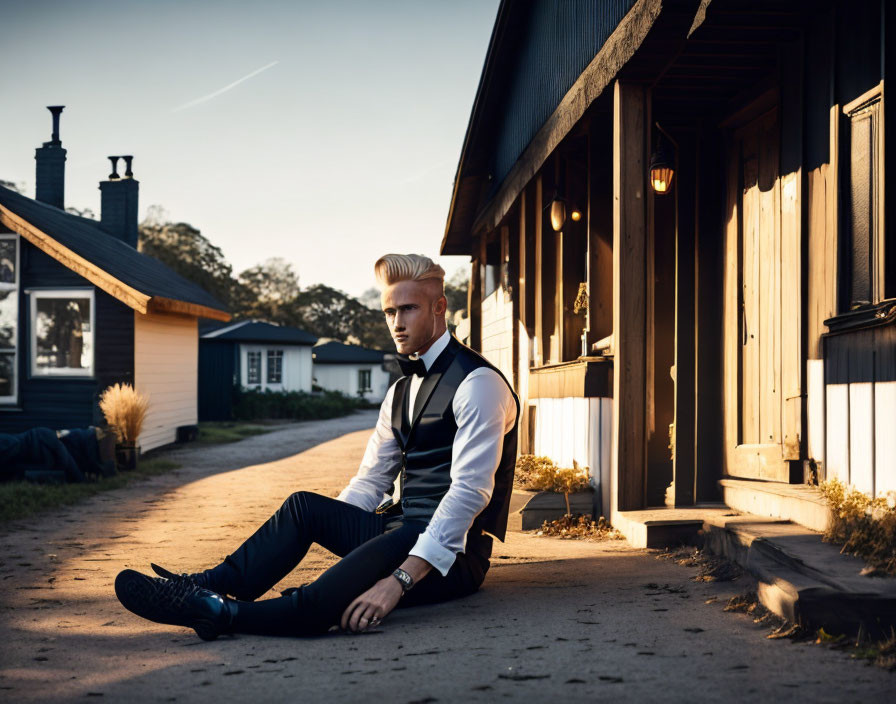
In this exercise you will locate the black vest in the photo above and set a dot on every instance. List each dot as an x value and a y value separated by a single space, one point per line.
426 441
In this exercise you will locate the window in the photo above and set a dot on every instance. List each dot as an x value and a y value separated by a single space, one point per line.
62 324
363 380
253 367
862 224
275 366
9 316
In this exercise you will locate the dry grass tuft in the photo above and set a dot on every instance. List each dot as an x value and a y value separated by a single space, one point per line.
710 568
125 410
580 527
863 526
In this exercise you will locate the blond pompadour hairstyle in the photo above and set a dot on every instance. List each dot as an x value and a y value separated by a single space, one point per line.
392 268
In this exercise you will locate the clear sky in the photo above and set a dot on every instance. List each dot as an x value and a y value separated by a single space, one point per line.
324 132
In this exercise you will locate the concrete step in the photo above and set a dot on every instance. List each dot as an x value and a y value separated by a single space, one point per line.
666 527
799 503
803 579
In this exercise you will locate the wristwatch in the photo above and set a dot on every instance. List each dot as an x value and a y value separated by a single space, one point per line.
404 579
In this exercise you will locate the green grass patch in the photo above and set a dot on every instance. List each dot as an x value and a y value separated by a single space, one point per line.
212 433
24 499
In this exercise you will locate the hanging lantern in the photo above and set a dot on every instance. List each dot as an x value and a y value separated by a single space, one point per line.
662 166
558 214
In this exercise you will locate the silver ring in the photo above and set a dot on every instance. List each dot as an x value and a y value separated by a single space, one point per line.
374 622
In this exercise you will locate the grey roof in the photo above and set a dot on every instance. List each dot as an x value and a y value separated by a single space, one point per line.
340 353
258 331
112 255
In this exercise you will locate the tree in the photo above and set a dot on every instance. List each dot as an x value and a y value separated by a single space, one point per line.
268 291
328 312
456 295
185 250
81 212
371 298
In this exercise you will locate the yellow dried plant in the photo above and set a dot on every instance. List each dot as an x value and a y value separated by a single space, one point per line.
541 474
125 410
863 525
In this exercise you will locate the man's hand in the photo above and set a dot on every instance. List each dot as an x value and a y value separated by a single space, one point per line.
378 601
375 603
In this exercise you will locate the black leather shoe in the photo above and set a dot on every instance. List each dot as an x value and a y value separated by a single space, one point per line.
194 577
177 602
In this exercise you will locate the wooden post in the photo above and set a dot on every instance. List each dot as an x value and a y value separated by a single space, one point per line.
687 197
600 229
539 327
474 296
628 460
523 258
520 334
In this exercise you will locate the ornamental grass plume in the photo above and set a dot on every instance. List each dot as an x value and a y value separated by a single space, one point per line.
125 410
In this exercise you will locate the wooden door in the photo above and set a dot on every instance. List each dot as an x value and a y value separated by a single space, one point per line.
757 317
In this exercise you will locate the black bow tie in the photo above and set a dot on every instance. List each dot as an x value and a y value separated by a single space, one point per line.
411 366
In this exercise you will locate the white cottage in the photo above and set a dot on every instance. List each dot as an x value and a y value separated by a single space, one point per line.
352 369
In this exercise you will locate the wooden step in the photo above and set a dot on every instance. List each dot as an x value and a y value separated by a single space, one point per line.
665 527
802 578
799 503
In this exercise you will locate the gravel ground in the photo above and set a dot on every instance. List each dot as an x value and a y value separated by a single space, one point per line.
572 619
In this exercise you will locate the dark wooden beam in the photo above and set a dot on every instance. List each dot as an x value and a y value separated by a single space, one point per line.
630 156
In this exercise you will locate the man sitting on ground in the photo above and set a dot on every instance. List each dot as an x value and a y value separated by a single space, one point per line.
448 428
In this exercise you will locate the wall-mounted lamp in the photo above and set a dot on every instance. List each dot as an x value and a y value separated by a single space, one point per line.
662 163
558 213
559 207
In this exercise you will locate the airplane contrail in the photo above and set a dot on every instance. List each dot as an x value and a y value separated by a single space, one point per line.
226 88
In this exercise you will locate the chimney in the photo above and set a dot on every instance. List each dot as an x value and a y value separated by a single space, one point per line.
118 202
50 177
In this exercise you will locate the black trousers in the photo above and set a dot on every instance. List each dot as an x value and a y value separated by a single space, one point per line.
371 546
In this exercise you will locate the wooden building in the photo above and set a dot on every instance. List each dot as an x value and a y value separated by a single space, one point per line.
677 219
81 309
250 354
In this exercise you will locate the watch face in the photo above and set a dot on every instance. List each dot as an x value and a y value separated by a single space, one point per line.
404 578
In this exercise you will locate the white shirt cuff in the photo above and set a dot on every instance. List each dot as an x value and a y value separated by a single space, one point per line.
436 554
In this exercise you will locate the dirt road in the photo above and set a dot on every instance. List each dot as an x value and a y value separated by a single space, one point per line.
556 619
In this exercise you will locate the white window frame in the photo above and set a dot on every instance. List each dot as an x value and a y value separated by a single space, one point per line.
14 397
34 295
267 359
251 384
369 387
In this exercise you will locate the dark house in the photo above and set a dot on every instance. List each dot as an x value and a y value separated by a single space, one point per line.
682 247
81 309
250 354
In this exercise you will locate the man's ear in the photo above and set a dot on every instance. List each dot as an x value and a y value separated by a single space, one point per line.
441 306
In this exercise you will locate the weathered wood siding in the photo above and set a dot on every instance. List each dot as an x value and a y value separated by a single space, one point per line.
497 332
579 429
860 390
166 356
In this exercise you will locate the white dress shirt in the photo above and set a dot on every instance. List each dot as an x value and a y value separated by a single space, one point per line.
485 411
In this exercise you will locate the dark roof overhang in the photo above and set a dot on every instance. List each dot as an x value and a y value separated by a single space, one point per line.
468 214
140 282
